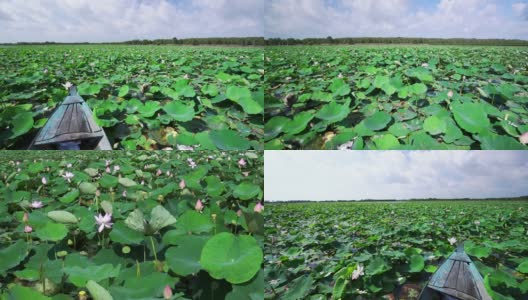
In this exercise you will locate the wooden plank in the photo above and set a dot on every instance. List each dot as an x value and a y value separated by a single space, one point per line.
452 277
440 276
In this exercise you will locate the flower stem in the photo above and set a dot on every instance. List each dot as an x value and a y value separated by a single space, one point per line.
153 248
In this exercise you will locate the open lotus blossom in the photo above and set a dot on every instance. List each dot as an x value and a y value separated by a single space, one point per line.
477 222
25 218
167 292
199 205
182 184
191 163
104 221
450 94
44 180
37 204
117 168
242 162
524 138
246 174
68 165
67 85
258 208
357 272
425 65
28 229
452 240
68 176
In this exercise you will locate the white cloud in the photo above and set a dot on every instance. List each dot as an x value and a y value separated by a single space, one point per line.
119 20
520 9
343 175
356 18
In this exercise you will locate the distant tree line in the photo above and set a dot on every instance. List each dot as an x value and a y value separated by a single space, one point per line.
392 40
231 41
521 198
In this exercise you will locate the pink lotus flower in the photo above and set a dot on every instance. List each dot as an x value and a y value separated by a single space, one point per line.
104 221
450 94
199 205
239 213
108 170
44 181
246 174
68 176
182 184
524 138
357 272
97 193
242 162
107 163
25 218
258 208
37 204
28 229
167 292
158 173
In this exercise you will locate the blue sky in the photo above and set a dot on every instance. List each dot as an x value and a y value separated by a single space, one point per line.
411 18
355 175
120 20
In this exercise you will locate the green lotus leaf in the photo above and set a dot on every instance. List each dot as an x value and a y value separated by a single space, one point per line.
62 216
377 121
228 140
52 232
233 258
180 111
470 117
87 188
98 292
185 259
333 112
246 190
70 196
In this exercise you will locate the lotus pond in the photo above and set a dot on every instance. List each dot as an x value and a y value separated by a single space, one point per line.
145 97
131 225
386 250
396 97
